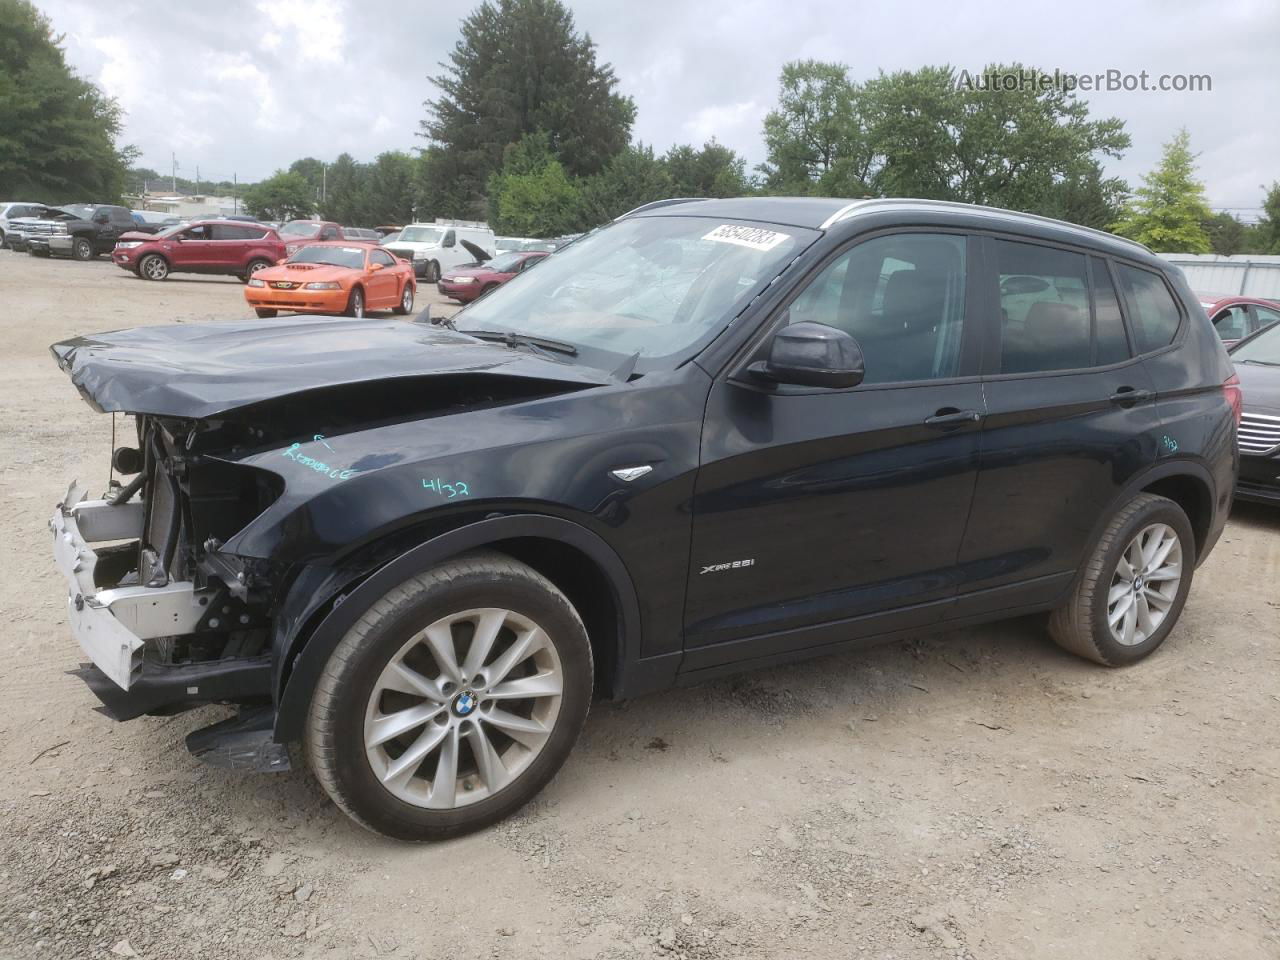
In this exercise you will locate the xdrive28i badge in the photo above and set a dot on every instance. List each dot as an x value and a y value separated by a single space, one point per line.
718 567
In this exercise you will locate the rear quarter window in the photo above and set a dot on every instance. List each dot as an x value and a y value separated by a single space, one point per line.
1153 314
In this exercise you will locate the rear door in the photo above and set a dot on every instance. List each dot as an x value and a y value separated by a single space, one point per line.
825 515
1071 416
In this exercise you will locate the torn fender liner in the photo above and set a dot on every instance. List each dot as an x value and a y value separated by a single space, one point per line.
174 688
242 742
199 370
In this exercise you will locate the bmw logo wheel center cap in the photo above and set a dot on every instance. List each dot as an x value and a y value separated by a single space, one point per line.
465 703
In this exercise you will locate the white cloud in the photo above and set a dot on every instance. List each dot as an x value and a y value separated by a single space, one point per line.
725 122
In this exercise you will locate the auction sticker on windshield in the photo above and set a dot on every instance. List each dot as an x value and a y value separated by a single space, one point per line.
757 238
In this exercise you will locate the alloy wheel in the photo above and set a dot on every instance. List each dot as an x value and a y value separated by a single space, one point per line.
406 300
155 268
463 708
1145 584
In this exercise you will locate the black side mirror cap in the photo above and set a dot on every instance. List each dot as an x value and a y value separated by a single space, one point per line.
812 355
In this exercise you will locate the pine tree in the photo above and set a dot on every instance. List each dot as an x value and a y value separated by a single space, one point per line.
1169 210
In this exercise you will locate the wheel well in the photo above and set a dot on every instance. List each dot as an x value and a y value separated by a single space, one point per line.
1194 499
576 575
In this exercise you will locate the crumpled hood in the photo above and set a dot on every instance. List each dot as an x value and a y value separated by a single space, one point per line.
137 235
200 370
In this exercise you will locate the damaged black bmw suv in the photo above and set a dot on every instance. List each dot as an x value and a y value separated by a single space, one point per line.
716 434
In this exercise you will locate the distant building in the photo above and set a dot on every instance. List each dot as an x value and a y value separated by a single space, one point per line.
185 207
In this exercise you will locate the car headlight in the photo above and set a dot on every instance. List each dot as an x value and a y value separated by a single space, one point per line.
59 228
127 244
326 285
255 282
419 254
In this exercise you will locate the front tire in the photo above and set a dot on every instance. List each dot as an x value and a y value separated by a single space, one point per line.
431 274
82 249
253 267
1133 587
355 304
453 701
153 267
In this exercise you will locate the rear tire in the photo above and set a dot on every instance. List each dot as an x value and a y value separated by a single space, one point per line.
387 667
82 249
153 267
1127 582
355 304
406 300
266 313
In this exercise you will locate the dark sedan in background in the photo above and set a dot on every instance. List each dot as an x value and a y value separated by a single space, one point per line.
1257 362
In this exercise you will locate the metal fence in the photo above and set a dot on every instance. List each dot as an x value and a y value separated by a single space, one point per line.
1245 275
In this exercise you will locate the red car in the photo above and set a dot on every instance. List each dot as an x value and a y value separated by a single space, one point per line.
298 233
1236 317
465 284
229 247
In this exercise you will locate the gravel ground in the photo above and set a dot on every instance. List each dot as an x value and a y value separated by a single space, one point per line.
973 795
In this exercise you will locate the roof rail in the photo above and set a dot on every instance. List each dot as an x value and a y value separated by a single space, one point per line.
655 204
846 212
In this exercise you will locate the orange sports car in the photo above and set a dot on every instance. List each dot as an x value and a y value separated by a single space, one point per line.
339 277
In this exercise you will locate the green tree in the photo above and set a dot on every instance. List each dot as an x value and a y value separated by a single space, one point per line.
285 196
390 192
1088 198
814 137
713 171
58 132
1264 237
344 186
1227 235
533 196
520 67
633 177
1168 210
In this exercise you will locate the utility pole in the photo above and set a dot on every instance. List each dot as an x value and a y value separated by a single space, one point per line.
235 192
173 173
197 179
324 182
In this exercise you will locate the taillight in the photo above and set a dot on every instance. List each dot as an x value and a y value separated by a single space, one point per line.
1235 396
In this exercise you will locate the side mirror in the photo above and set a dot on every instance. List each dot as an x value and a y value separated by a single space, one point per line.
375 267
811 355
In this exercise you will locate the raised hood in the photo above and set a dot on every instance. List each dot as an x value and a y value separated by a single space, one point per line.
200 370
1260 387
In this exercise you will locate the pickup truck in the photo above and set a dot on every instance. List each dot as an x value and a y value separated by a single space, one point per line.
80 230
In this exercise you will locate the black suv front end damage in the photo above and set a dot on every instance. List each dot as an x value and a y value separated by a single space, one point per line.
179 580
168 620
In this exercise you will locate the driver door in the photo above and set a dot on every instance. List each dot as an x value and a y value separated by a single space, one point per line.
192 248
384 290
824 515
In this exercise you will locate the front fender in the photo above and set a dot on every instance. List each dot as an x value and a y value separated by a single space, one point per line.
300 652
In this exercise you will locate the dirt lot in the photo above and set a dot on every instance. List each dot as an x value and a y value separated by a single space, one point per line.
975 795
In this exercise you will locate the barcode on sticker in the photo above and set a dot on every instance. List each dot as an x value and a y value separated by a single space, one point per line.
757 238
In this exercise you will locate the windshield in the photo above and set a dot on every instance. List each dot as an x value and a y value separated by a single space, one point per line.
300 228
653 286
352 257
507 263
421 235
1264 348
391 237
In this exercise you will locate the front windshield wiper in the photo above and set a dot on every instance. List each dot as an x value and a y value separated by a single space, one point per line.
514 339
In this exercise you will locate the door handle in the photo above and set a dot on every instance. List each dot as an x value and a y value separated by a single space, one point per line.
951 417
1129 396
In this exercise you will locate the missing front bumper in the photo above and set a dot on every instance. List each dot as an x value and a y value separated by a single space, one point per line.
111 623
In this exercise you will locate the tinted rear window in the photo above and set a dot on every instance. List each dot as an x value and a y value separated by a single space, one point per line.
1153 314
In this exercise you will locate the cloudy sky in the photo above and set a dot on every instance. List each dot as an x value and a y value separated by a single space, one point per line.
247 86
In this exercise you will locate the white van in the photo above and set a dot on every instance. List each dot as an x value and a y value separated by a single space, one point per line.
443 245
